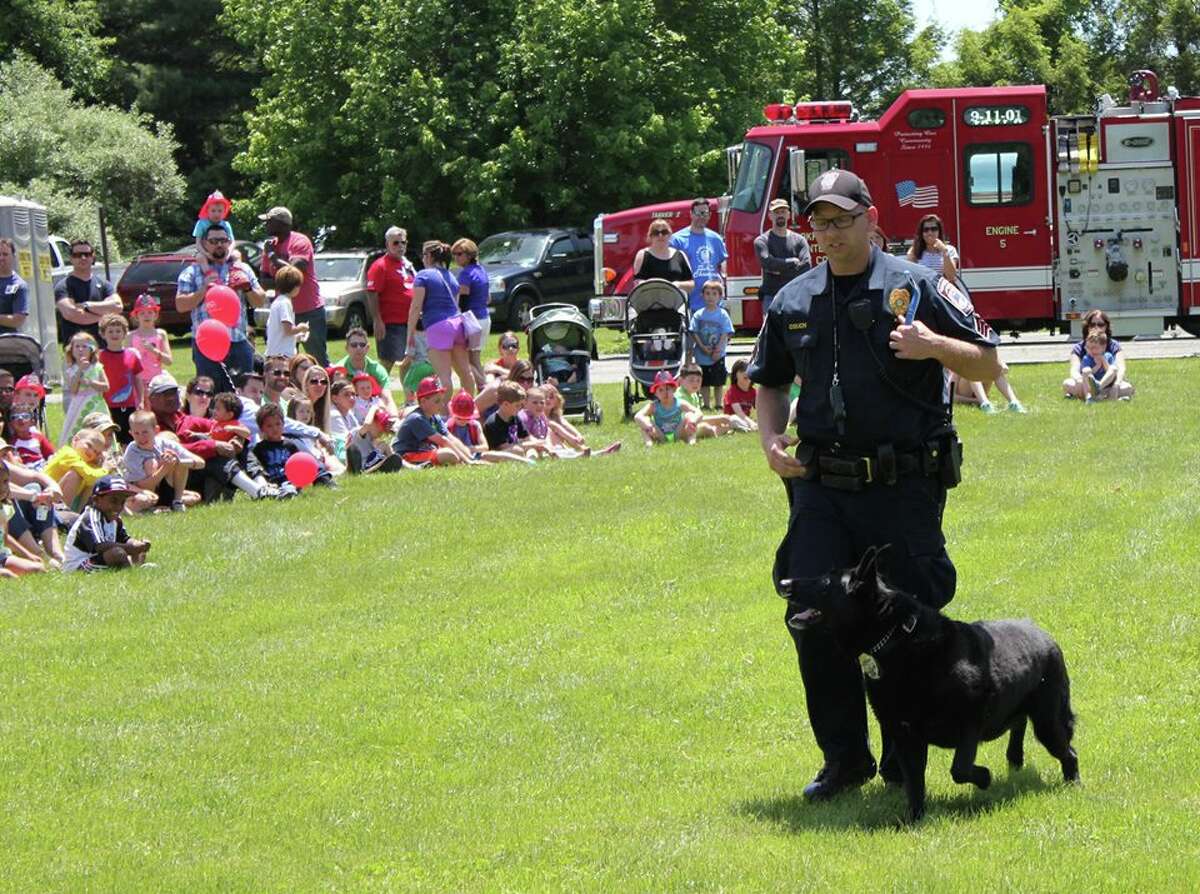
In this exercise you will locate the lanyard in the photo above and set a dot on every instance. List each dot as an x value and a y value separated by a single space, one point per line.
836 399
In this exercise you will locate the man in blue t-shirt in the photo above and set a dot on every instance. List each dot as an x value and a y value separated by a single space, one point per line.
14 292
705 250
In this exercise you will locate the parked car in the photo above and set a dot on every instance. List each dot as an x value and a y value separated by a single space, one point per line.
342 278
158 274
531 267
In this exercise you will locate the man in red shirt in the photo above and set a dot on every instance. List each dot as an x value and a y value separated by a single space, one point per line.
389 296
286 246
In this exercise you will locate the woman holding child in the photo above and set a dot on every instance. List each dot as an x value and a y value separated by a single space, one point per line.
447 329
1097 370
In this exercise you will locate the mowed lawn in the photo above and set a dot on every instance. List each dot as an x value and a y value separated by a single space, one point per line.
576 677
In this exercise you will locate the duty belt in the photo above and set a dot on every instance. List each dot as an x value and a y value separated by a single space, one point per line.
844 469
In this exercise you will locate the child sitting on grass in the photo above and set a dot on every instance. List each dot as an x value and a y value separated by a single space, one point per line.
423 438
369 448
12 565
77 468
367 395
31 445
562 432
665 419
464 425
273 451
741 398
98 539
504 430
691 380
510 352
303 410
156 467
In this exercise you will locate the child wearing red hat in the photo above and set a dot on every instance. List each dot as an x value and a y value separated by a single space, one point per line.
369 448
464 425
423 438
665 419
149 341
213 212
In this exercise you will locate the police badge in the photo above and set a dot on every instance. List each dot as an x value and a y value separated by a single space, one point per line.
898 302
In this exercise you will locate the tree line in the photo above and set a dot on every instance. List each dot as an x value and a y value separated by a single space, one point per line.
465 116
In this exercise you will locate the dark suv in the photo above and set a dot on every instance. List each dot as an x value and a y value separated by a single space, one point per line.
531 267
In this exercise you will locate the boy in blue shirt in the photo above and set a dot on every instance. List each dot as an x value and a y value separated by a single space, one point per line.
711 329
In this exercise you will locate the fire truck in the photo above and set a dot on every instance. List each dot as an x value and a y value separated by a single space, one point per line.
1051 216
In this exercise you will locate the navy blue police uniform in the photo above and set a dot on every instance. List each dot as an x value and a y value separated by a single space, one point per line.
876 438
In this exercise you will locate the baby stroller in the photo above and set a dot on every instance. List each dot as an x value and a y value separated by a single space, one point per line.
561 347
656 318
21 355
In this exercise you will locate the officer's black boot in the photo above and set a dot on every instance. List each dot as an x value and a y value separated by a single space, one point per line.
839 776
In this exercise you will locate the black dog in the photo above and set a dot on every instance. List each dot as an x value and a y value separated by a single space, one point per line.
934 681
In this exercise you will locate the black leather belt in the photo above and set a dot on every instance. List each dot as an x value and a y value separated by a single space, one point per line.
844 469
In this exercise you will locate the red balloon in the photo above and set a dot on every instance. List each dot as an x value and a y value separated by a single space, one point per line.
222 303
301 469
212 338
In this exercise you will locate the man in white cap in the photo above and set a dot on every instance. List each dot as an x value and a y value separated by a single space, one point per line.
286 246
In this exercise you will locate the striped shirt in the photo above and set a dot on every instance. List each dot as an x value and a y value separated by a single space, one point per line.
89 531
934 260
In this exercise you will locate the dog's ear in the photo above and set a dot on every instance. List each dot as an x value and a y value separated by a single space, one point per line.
865 572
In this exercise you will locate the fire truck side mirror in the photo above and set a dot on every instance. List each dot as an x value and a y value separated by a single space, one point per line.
798 178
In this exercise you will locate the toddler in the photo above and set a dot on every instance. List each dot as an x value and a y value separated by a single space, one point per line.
33 447
156 467
151 343
76 468
84 384
215 210
273 451
664 419
1098 367
691 382
282 329
711 329
123 367
367 394
98 539
369 449
464 425
741 398
423 438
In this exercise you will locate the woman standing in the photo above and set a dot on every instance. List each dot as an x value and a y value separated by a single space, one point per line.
473 290
435 306
660 261
930 250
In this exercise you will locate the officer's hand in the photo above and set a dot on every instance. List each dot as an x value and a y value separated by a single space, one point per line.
781 461
915 342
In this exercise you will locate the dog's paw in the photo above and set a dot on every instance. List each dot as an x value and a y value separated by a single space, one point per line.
983 777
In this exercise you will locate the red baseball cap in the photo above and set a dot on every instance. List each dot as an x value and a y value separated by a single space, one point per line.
462 405
31 383
664 378
430 385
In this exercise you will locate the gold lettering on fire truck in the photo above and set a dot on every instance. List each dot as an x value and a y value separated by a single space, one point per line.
1002 231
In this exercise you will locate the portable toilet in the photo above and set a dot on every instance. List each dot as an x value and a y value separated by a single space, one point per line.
27 224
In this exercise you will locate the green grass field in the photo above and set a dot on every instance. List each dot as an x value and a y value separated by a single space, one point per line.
576 677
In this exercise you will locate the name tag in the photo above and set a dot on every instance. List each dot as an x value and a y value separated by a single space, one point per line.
801 324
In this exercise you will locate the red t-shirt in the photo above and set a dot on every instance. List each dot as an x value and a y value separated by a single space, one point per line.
735 395
297 246
392 281
121 368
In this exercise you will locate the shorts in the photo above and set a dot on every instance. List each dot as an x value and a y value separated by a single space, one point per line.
452 332
120 415
714 375
394 344
421 457
25 519
476 341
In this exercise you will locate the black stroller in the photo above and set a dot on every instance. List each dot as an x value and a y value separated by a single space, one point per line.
656 318
561 347
22 355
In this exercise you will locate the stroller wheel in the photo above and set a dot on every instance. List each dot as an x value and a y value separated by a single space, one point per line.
598 414
629 400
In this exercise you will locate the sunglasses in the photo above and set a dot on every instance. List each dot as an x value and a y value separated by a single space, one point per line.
277 372
397 242
318 381
82 254
199 393
661 233
510 347
7 389
356 344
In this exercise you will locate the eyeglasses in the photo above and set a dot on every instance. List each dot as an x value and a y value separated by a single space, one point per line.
841 222
356 344
82 254
199 393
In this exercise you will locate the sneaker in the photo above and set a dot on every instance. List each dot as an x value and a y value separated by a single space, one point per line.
285 491
178 506
1017 407
987 408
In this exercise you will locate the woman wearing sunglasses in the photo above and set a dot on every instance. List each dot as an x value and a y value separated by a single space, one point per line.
929 249
200 392
660 261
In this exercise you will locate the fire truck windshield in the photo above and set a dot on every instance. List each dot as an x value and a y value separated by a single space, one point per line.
753 174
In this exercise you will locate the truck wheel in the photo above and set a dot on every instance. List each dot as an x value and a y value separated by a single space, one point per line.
356 318
518 311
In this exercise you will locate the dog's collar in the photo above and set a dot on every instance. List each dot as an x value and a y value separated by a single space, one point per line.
867 661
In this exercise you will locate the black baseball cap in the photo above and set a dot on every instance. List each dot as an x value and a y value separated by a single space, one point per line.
844 189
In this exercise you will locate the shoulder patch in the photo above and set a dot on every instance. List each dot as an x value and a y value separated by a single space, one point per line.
954 295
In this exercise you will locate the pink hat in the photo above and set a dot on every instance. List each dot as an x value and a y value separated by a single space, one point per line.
664 378
430 385
462 405
146 301
31 383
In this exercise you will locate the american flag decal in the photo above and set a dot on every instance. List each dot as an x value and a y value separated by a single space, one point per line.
908 193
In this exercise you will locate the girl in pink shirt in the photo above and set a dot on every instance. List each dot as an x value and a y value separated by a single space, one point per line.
150 343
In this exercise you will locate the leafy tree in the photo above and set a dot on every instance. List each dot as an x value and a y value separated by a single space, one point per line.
55 149
60 35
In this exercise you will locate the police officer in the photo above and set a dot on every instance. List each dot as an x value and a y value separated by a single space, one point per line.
869 335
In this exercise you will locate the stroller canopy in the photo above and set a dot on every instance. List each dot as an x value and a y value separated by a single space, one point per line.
656 294
562 326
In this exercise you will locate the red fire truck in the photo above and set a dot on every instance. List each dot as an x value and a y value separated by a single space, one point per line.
1052 216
